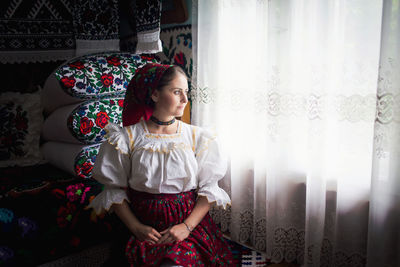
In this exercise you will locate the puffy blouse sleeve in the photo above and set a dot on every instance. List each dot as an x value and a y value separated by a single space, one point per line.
212 168
111 168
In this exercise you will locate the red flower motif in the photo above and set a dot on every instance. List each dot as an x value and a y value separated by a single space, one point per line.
107 79
102 119
146 58
78 171
21 123
77 65
121 103
58 193
77 191
87 167
68 82
7 140
75 241
113 61
86 125
179 59
65 215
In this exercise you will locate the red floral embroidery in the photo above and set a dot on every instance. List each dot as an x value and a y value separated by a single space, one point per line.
21 123
68 82
84 170
7 140
107 79
102 119
179 59
147 58
113 61
86 125
87 168
65 215
77 65
78 191
121 103
75 241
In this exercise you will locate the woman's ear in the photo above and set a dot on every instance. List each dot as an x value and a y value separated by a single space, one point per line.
154 96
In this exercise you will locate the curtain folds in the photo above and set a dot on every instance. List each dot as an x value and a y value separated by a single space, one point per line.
305 98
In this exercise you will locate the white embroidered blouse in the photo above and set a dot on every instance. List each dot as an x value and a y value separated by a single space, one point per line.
158 163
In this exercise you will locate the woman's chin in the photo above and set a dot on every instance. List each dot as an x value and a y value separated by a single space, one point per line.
178 114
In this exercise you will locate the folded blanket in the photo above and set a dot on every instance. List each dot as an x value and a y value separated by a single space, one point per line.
94 76
82 123
75 159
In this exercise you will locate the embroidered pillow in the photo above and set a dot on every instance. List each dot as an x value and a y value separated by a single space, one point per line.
75 159
83 123
21 120
91 77
88 120
84 161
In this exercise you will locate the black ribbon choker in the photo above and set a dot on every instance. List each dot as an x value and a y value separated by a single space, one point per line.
154 119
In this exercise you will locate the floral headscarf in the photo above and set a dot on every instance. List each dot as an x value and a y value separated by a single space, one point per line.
138 95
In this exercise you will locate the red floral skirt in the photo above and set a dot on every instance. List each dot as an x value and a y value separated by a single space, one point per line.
205 245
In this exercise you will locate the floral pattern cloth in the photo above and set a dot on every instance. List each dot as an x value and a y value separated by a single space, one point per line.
84 161
87 121
205 245
99 75
20 125
14 128
43 215
177 48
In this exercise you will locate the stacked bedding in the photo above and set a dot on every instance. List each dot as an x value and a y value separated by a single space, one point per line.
79 99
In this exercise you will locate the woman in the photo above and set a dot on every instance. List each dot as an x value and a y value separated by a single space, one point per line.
161 174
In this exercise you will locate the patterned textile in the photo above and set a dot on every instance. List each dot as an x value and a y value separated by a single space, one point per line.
76 160
44 30
36 30
99 75
138 95
43 215
144 18
205 245
177 48
87 121
148 16
84 161
246 256
20 125
96 25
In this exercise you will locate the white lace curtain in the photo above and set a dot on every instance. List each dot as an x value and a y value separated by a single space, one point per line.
305 98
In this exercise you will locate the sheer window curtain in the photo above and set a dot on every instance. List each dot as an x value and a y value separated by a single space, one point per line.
304 96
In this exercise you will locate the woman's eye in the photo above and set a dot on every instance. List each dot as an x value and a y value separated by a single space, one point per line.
177 92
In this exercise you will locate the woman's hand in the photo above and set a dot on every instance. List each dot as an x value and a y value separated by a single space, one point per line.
177 232
146 233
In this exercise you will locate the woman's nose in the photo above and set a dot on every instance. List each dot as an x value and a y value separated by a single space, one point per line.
184 98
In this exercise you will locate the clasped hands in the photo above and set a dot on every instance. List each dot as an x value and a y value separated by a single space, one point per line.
178 232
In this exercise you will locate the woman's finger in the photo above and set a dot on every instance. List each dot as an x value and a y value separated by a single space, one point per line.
162 239
165 231
156 233
168 240
153 238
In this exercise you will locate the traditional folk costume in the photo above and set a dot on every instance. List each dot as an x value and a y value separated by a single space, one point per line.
161 175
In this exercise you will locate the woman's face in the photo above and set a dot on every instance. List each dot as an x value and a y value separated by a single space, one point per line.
172 98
